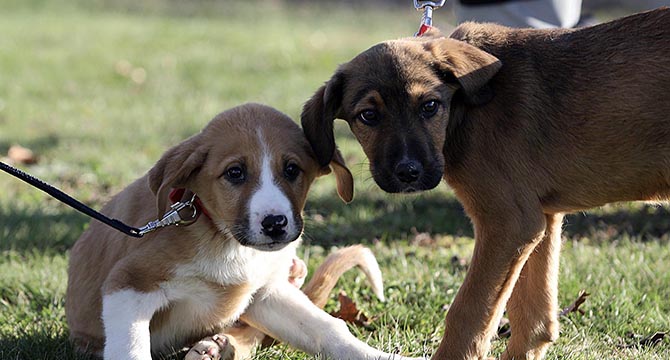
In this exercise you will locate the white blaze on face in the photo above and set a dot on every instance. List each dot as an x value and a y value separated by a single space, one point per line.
268 199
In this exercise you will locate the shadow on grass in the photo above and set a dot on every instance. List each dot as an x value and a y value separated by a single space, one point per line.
382 217
388 218
39 145
28 230
374 217
46 346
43 345
643 222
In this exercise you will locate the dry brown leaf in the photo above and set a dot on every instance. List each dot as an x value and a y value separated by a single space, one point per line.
349 311
574 307
20 155
459 262
421 238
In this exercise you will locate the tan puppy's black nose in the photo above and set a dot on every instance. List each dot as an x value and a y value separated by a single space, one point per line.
273 225
408 171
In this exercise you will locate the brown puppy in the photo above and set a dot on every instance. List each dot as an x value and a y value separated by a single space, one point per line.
524 125
251 168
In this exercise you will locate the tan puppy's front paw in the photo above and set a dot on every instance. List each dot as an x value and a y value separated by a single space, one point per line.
215 347
297 273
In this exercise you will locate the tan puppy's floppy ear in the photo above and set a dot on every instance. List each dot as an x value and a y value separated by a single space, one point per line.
473 68
343 177
318 115
174 169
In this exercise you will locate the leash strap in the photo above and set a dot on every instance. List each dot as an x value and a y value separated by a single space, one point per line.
427 19
70 201
172 217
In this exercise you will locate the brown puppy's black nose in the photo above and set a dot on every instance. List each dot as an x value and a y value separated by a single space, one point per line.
273 225
408 171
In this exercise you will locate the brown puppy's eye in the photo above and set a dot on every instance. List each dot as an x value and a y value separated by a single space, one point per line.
291 171
369 117
235 174
429 108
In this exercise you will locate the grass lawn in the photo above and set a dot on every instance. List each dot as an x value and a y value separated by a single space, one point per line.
99 89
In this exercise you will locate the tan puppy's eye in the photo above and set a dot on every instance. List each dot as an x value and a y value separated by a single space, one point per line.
235 174
429 108
291 171
369 117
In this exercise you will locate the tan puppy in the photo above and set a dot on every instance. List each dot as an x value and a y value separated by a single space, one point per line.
251 168
524 125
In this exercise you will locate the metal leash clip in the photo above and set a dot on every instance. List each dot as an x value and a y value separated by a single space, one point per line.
173 217
427 18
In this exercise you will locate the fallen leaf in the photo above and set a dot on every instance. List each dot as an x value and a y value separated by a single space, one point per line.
574 307
138 75
123 67
649 341
20 155
421 238
349 311
459 263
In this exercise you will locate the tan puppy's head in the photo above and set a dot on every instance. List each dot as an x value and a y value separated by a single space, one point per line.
251 167
396 97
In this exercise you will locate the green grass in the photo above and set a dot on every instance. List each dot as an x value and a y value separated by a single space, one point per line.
68 92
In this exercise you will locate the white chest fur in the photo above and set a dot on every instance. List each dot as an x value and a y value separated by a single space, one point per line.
215 288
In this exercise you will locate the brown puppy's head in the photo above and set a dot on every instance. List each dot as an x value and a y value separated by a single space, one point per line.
396 97
252 168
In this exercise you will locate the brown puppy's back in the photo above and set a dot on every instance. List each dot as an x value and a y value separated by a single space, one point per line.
563 99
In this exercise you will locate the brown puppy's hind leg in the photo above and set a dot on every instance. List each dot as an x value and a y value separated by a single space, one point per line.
533 306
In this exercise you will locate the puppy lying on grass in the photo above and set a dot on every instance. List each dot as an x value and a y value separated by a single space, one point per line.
250 170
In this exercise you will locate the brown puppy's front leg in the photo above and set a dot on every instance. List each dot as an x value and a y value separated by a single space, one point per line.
533 306
503 241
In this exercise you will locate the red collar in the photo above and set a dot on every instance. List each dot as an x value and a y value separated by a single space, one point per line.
176 195
423 29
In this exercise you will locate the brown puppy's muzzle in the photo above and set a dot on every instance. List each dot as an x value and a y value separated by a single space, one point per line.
407 176
406 169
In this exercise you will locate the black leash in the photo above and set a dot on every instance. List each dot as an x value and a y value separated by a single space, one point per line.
68 200
172 217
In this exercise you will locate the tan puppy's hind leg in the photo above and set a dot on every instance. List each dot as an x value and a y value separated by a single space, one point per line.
215 347
533 306
236 343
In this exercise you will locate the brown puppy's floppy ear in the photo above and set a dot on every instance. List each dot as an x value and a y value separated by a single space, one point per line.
345 181
318 115
473 68
343 177
174 169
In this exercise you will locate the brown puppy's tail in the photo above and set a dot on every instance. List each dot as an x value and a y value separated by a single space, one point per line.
337 263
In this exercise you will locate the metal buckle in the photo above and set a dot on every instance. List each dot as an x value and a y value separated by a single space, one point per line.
419 5
174 217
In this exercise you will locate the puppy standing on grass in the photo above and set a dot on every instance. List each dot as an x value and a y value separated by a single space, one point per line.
525 126
251 168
